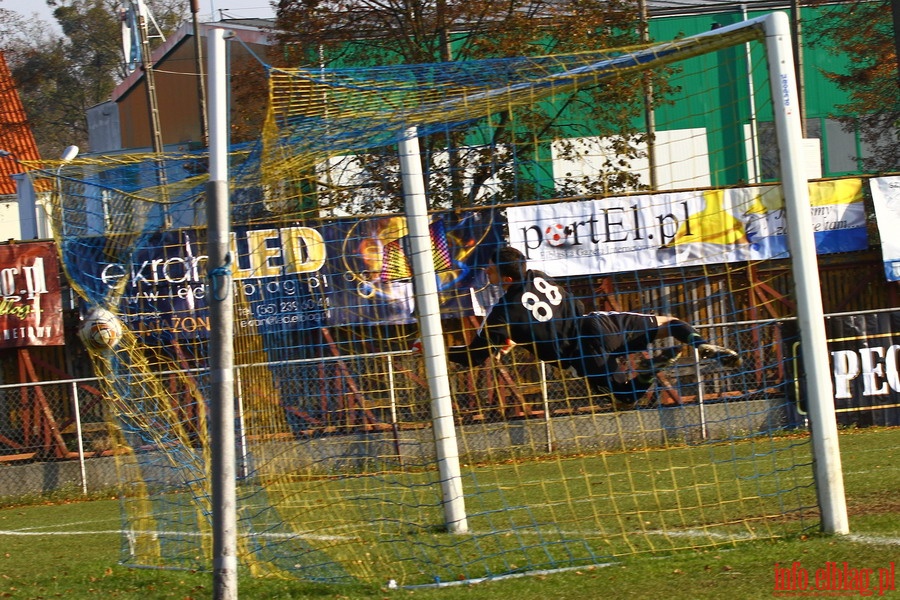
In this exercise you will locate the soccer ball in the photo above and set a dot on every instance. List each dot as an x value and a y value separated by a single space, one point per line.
557 235
100 330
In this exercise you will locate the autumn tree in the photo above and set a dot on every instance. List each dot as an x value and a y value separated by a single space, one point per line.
10 25
323 33
863 31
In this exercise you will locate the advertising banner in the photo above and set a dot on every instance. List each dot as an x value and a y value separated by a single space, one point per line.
292 278
865 350
632 233
162 291
368 277
31 303
886 199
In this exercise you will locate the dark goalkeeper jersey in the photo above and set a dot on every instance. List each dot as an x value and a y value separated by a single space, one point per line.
536 312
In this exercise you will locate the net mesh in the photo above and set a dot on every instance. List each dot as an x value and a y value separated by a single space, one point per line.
338 477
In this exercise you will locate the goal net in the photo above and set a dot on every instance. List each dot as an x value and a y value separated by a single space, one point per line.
339 478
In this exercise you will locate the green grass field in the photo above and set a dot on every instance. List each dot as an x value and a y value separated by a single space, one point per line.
71 549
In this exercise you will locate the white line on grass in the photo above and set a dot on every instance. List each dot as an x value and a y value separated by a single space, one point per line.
872 539
44 527
687 533
30 533
186 534
443 584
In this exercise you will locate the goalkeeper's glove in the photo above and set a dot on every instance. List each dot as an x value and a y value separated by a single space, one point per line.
416 347
506 348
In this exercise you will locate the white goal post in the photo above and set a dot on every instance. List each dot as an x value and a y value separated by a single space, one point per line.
775 29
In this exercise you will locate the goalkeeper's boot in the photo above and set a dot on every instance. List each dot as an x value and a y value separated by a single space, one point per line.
726 356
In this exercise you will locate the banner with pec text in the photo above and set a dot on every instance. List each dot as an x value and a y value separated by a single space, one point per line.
886 199
631 233
865 356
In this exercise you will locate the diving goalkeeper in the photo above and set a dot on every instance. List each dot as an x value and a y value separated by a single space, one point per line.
538 313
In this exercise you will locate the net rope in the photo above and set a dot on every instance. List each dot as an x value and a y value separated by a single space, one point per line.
337 472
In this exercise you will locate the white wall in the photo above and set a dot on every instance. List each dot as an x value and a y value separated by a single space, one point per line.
681 159
9 218
104 133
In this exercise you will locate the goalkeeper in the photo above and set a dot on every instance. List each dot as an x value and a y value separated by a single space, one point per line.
538 313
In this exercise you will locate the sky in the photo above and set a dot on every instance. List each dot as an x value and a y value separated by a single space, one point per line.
210 10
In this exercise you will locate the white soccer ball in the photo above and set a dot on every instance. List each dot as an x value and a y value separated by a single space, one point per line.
557 235
100 330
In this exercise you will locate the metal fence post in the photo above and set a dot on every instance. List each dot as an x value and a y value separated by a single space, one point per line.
76 410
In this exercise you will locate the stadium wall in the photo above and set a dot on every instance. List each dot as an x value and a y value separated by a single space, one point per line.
529 438
525 438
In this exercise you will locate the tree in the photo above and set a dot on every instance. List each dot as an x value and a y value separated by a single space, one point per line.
322 33
864 33
10 24
61 76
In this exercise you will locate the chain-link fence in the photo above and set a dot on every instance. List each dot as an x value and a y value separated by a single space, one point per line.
58 436
55 436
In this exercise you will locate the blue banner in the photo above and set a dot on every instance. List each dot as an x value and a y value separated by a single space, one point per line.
288 278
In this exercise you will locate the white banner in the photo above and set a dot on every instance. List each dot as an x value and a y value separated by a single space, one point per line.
886 199
680 229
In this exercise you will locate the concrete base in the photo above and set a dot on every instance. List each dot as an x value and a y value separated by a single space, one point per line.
620 431
414 447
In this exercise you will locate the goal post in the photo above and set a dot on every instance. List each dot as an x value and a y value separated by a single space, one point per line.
366 217
810 314
435 355
223 469
782 77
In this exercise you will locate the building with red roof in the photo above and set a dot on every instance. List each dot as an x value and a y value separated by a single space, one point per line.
16 144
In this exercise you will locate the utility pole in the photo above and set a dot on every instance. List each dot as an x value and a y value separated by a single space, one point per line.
445 51
201 79
895 11
152 106
649 116
798 62
149 79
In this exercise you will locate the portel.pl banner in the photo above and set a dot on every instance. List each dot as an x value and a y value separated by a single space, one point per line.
678 229
633 233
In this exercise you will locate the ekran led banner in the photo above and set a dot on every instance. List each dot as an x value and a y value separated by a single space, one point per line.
632 233
31 303
290 278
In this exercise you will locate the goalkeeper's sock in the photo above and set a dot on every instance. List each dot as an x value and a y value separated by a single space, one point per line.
686 334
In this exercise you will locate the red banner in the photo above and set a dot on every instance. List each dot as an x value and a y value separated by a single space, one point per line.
30 299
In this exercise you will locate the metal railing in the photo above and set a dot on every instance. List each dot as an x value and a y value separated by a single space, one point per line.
56 421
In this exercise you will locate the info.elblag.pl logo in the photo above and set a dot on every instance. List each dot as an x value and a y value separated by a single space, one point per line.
834 579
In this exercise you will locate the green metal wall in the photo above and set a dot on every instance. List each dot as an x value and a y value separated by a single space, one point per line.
821 98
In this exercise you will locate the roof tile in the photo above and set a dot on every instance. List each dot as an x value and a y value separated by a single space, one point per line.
15 131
